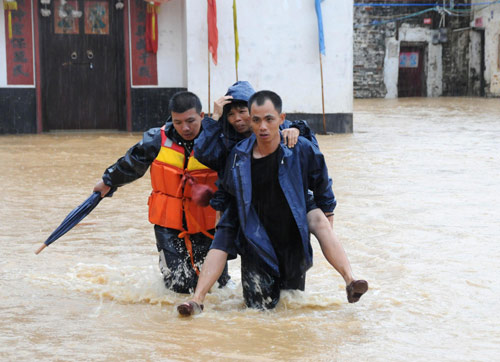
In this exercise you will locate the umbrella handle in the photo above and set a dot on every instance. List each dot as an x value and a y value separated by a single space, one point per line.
40 249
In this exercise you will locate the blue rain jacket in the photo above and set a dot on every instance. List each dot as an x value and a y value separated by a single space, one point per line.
240 230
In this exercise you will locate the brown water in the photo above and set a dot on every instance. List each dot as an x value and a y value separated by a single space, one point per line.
418 186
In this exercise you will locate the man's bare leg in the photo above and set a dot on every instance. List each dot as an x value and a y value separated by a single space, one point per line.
212 268
322 228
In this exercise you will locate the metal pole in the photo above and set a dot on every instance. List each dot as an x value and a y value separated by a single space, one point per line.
208 82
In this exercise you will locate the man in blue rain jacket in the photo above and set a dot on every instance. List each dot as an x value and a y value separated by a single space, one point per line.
266 219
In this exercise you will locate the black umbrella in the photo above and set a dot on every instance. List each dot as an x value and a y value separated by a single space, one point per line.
74 217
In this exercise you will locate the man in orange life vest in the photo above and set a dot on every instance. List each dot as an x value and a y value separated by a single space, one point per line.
183 229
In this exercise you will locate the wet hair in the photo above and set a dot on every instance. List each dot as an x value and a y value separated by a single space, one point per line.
260 98
183 101
238 104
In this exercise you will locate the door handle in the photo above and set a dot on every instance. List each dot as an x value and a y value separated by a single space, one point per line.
90 54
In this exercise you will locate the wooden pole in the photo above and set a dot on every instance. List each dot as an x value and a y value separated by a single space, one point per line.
208 50
236 39
322 91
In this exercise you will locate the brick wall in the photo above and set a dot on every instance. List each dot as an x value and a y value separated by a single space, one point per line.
369 52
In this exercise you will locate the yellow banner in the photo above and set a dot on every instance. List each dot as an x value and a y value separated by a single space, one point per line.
236 39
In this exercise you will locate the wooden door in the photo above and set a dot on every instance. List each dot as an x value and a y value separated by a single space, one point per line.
82 60
411 78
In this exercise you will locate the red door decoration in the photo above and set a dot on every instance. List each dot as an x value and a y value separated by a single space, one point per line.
144 65
67 24
408 60
19 43
96 17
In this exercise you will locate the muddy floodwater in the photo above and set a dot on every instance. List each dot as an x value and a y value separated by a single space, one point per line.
418 189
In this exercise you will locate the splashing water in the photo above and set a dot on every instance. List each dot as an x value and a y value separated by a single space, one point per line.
418 191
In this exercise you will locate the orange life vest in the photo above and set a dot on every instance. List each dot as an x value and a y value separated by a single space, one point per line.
171 195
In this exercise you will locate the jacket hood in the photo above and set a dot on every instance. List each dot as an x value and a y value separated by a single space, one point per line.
240 91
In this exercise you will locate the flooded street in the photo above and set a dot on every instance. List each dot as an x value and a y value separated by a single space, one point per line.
418 190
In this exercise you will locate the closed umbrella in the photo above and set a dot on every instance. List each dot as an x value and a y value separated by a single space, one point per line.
74 217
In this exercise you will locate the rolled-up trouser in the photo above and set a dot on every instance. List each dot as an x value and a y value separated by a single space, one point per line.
261 290
175 262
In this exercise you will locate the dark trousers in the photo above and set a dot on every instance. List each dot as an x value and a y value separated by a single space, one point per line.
261 290
175 262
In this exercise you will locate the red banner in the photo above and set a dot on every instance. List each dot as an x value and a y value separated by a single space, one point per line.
144 66
19 44
213 33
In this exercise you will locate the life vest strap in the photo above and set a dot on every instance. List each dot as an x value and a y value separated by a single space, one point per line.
186 178
193 220
185 235
189 247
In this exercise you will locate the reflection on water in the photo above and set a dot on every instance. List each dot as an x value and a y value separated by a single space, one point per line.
418 190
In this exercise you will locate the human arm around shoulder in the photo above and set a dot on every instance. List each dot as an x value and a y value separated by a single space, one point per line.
135 162
303 130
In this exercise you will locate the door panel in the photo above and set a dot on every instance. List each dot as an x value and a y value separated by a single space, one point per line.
82 66
411 76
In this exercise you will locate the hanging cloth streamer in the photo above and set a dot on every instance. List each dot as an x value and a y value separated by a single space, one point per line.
152 9
9 6
213 32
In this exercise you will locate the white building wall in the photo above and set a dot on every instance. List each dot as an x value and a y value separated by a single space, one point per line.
491 23
278 51
391 67
3 51
171 56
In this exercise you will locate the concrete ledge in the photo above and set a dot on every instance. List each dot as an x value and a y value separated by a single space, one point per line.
335 122
150 107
